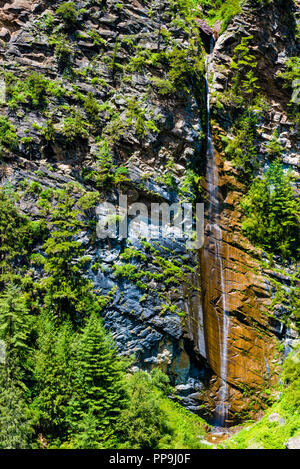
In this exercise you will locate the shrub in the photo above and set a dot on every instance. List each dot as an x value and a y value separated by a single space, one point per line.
75 128
62 49
8 136
243 65
163 87
274 147
220 10
67 11
31 91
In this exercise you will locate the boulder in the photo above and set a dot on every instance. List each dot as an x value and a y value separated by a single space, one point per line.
4 34
274 417
204 27
293 443
18 6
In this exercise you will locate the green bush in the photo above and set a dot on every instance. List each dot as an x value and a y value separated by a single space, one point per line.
62 48
292 83
30 91
221 10
274 147
267 434
244 84
8 136
68 12
151 420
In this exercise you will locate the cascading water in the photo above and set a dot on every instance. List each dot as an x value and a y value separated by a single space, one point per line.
213 229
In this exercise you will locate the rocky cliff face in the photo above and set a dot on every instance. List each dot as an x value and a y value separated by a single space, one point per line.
111 100
255 315
130 137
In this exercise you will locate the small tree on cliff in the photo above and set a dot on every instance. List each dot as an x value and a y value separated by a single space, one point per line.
243 65
272 212
67 290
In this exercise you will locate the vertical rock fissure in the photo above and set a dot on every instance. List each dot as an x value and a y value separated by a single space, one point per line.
214 231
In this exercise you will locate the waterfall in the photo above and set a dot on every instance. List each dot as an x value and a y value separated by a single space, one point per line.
215 232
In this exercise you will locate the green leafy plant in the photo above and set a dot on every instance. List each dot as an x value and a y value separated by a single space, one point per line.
68 12
8 136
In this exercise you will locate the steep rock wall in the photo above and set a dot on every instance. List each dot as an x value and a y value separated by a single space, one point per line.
255 322
112 55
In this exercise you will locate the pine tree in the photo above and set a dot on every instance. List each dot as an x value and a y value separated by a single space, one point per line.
13 235
17 236
53 375
16 429
243 64
68 293
272 212
100 391
15 326
87 436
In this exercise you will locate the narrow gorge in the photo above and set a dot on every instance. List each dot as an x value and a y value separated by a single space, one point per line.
109 111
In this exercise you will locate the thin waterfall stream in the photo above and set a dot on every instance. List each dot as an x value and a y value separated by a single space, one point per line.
213 229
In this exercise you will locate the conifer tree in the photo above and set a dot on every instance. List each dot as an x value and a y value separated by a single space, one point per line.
100 391
13 235
272 212
53 375
16 429
243 64
67 290
15 326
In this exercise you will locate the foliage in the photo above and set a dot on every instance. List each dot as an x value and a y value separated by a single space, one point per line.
99 382
14 326
68 12
31 92
16 426
8 136
291 73
220 10
243 65
272 212
67 290
291 77
52 375
62 48
74 128
151 420
142 425
274 147
17 235
242 149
